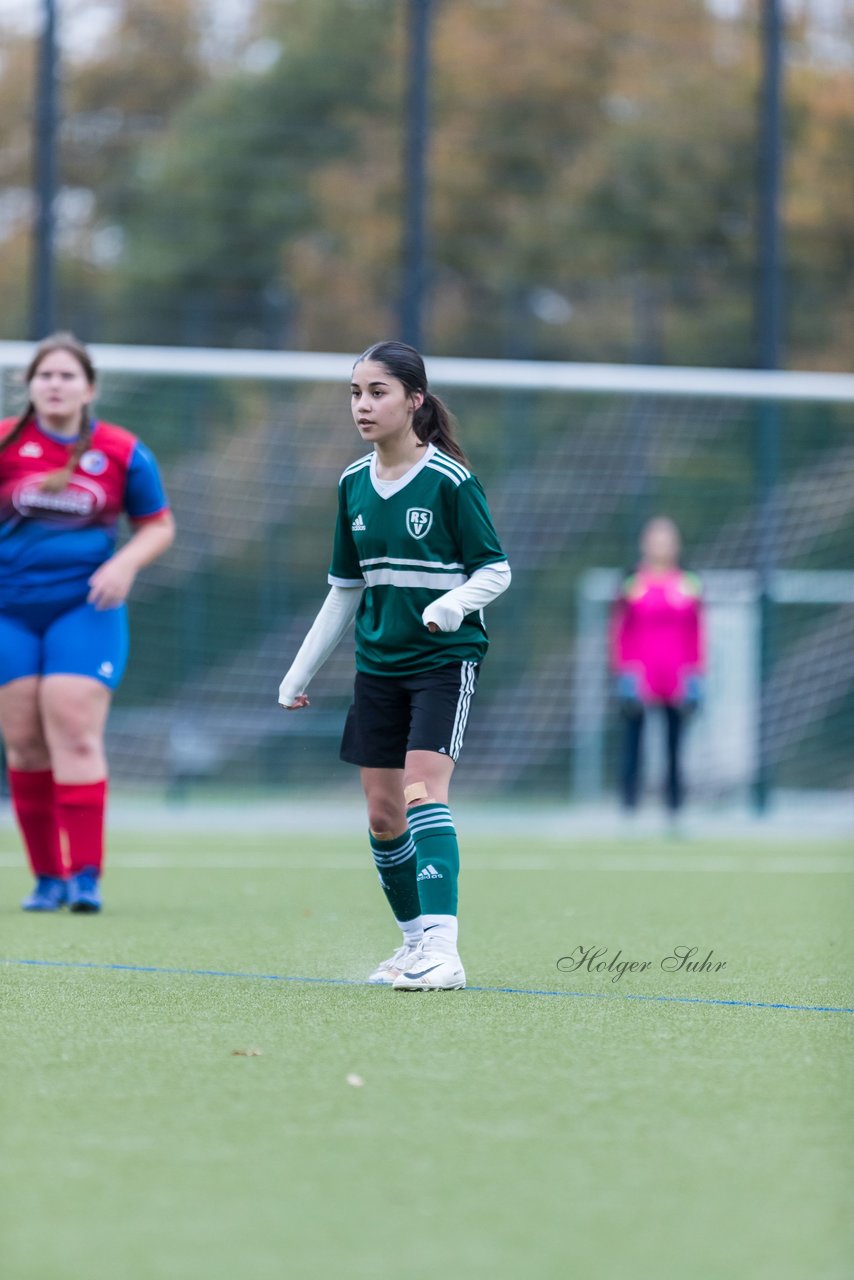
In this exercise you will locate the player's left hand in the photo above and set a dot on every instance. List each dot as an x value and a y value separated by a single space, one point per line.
110 584
442 616
294 704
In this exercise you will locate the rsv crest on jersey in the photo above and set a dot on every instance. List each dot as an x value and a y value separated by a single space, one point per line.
418 521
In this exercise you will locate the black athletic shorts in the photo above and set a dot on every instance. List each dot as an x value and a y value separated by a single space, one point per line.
391 715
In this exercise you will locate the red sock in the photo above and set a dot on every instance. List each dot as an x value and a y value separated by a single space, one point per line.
33 799
80 812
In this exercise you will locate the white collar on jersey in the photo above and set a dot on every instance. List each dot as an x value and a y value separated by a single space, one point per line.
388 488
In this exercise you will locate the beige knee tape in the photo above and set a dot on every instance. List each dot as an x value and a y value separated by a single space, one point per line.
382 835
418 791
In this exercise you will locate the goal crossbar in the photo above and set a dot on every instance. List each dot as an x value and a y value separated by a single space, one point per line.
449 371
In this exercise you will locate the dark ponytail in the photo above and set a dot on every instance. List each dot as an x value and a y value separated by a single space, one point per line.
20 423
55 481
433 422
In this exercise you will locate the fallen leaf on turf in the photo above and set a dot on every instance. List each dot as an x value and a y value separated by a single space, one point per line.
354 1080
246 1053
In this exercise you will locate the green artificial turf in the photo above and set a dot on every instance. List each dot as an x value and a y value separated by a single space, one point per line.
499 1135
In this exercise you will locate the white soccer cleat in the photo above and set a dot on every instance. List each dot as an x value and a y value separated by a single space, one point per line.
432 970
385 973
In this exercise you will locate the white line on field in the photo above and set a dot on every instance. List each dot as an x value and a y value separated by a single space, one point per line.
483 862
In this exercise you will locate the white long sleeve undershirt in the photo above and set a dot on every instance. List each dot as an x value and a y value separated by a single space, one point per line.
484 586
336 613
341 604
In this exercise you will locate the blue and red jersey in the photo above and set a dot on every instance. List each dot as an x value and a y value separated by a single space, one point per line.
51 543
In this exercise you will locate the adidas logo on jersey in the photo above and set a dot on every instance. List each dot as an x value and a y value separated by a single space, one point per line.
429 873
358 525
31 449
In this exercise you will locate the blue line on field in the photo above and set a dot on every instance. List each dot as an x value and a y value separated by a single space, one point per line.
356 982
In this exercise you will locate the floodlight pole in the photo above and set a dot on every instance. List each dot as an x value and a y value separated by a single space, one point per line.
43 304
769 310
414 266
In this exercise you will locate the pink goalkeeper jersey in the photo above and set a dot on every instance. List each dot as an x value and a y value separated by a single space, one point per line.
657 632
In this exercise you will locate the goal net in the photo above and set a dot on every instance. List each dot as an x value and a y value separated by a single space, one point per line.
574 459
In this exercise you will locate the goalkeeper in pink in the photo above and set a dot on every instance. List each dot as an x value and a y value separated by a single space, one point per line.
657 653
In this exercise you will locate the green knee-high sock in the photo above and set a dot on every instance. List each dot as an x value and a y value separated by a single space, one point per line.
395 862
438 856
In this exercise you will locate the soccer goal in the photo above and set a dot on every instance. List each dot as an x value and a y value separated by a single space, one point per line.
574 459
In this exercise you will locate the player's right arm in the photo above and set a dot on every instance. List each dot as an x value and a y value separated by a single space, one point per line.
337 612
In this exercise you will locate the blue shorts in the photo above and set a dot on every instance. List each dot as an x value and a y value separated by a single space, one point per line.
62 637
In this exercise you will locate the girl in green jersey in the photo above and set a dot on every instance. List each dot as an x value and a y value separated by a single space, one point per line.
415 560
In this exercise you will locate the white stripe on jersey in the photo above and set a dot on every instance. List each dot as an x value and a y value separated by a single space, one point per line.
467 687
407 578
443 470
423 564
344 582
356 466
441 456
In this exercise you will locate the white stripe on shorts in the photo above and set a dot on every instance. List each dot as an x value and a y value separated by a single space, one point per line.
467 686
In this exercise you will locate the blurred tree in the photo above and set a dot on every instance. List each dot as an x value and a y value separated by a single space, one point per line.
126 90
592 170
593 191
120 95
592 188
17 72
219 199
115 97
515 93
820 218
662 204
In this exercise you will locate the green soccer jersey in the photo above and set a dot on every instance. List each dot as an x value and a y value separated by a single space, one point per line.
408 541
